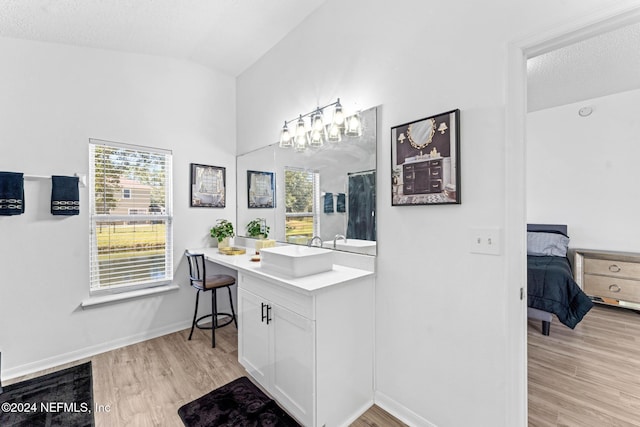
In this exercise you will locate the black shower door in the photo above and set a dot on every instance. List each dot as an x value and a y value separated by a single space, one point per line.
362 206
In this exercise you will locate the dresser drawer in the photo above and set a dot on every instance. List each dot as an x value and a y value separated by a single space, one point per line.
612 268
612 287
435 172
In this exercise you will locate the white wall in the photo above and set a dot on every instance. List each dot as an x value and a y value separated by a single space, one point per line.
442 340
583 171
54 98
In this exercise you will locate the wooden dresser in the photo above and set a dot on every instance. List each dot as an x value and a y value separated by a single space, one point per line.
609 277
426 176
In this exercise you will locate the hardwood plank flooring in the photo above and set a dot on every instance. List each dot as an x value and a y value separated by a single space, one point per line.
589 376
144 384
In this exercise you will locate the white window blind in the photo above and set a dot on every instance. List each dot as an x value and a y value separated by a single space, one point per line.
131 231
302 201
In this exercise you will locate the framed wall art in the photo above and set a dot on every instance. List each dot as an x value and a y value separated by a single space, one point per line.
208 188
425 161
260 189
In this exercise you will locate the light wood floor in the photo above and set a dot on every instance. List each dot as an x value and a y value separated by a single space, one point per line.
589 376
145 384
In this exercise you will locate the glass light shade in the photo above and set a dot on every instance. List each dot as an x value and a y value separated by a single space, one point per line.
338 114
316 138
317 121
443 127
285 137
334 134
300 142
354 126
301 129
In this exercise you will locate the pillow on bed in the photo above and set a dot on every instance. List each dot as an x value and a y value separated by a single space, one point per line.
547 244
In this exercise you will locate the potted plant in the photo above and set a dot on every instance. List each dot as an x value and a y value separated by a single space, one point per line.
258 228
222 231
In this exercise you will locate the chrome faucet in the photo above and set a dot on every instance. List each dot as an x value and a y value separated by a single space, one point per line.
338 236
313 239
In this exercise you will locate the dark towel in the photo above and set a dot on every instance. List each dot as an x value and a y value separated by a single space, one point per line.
328 203
11 193
65 197
341 203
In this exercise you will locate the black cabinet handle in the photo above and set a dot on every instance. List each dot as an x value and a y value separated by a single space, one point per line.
269 319
264 316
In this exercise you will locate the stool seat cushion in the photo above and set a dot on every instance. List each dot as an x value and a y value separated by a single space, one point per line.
216 281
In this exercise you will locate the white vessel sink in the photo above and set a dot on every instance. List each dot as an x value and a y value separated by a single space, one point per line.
296 260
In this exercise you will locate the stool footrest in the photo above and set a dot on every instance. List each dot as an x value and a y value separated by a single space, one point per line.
220 325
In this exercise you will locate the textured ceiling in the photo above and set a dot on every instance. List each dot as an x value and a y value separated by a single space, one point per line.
226 35
595 67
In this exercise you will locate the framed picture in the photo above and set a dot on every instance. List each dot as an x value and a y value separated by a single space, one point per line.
425 161
207 186
261 189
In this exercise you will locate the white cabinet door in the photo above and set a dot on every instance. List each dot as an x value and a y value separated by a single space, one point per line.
253 344
292 340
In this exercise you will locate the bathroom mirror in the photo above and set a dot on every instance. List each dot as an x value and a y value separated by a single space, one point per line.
342 179
421 133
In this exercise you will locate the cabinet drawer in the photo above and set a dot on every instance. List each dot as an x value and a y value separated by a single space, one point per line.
289 299
435 186
435 172
436 163
612 287
612 268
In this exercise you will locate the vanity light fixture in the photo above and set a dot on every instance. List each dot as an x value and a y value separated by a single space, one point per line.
317 132
300 142
443 127
316 136
285 137
354 126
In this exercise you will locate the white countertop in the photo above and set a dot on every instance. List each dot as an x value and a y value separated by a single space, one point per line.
242 263
422 159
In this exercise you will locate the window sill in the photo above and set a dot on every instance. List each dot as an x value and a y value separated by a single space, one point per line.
123 296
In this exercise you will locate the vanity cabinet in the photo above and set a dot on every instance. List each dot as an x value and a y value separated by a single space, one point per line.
609 277
277 350
426 176
311 351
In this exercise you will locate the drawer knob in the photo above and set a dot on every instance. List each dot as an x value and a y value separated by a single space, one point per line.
614 288
614 268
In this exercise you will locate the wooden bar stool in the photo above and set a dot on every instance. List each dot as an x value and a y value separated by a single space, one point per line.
203 283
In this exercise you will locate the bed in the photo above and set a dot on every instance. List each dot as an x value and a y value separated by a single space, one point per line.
551 289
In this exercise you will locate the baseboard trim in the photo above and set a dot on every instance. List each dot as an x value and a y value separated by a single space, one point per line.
82 353
401 412
358 413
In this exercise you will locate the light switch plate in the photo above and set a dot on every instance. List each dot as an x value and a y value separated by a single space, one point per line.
485 240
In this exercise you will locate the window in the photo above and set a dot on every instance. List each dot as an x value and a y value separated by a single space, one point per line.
131 217
302 198
137 211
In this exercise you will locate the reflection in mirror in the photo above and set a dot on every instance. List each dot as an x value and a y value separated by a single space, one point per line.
301 198
327 191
